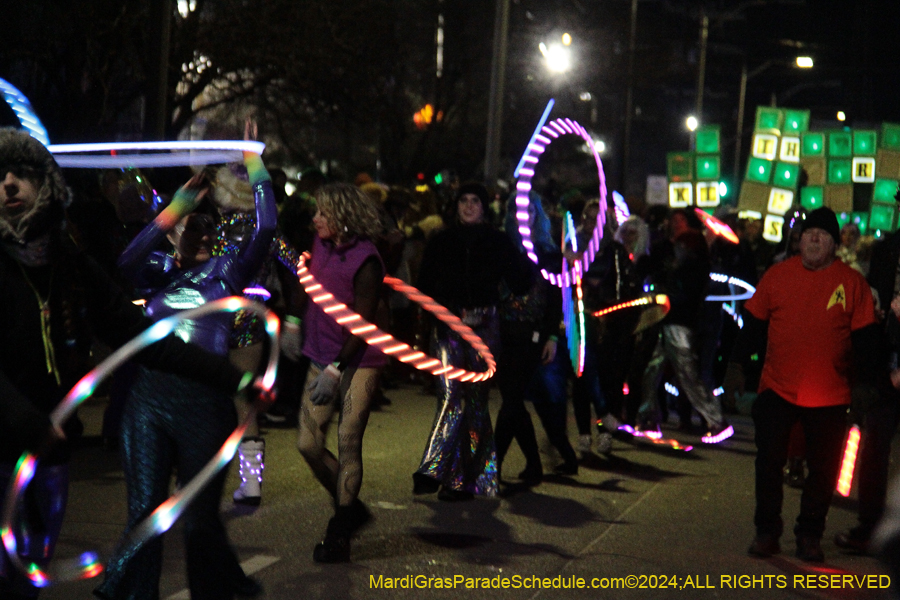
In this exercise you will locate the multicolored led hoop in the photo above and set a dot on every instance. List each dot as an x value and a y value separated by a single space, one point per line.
88 564
20 105
385 342
548 133
186 153
573 309
748 292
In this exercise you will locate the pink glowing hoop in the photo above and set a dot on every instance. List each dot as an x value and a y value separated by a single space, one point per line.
385 342
88 564
548 133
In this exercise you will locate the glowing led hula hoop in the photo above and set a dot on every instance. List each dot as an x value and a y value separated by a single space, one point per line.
385 342
26 115
573 309
88 564
548 133
188 152
748 292
657 299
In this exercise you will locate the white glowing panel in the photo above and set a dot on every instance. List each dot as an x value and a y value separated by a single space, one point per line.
863 170
708 193
780 201
790 150
772 228
765 146
680 194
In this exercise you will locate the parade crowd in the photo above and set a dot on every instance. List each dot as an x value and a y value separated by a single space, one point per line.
90 260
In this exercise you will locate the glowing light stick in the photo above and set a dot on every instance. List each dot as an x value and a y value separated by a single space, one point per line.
20 105
716 226
548 133
845 480
749 290
385 342
187 152
719 437
88 565
621 207
573 310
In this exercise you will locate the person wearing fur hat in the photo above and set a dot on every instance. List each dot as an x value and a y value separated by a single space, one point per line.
170 421
462 269
61 298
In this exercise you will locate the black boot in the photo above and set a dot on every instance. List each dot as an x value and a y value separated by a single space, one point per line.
336 545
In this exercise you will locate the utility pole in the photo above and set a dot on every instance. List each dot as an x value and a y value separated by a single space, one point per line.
629 96
495 101
701 70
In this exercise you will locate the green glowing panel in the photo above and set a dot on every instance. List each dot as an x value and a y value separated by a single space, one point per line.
708 167
840 144
795 122
813 144
680 166
768 119
890 136
812 197
786 175
884 190
707 140
839 171
759 170
882 217
864 143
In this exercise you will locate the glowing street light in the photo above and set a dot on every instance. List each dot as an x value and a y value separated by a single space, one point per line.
841 115
805 62
692 123
557 56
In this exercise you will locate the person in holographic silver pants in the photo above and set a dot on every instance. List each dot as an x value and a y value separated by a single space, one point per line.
460 452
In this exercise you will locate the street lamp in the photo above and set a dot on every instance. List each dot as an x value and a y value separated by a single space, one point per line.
802 62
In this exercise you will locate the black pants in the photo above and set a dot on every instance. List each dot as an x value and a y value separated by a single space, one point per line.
878 427
824 430
520 357
174 423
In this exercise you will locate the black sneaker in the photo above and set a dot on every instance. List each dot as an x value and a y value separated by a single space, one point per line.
567 468
423 484
809 549
359 516
764 545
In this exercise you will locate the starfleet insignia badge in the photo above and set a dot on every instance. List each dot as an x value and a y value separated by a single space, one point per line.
838 297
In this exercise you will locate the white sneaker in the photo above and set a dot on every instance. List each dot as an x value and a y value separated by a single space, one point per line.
604 442
584 443
251 453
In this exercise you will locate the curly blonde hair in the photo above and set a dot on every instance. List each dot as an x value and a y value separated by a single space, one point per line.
349 211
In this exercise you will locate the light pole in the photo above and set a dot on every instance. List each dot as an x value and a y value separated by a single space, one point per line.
802 62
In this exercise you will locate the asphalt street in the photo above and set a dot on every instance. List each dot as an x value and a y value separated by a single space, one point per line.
642 523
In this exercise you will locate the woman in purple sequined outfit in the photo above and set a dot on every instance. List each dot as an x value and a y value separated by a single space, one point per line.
170 422
462 269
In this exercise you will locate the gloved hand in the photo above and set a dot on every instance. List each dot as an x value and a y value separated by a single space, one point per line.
735 384
324 388
863 397
291 340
